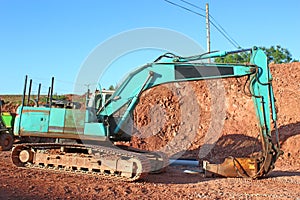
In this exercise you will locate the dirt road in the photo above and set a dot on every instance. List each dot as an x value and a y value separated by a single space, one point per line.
15 183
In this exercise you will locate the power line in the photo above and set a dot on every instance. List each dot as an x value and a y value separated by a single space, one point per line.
220 30
225 31
195 6
175 4
227 37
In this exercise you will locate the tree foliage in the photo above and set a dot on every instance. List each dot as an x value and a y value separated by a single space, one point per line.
111 87
234 58
275 54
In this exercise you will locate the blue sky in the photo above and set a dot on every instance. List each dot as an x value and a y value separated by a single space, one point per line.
53 38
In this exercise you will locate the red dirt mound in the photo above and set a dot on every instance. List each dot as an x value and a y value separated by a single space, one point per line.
180 118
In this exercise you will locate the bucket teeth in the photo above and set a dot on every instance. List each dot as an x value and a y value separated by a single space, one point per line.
232 167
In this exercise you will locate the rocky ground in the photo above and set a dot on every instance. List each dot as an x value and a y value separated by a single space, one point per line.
282 183
204 120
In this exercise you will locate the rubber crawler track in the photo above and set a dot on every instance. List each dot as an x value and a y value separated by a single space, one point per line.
143 166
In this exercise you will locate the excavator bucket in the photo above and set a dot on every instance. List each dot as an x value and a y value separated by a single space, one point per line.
232 167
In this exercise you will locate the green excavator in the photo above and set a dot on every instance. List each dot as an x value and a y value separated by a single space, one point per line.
101 127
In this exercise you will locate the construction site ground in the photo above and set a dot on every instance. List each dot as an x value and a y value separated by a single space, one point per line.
193 121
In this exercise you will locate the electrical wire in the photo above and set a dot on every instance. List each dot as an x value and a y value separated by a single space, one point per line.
236 44
221 30
215 21
175 4
195 6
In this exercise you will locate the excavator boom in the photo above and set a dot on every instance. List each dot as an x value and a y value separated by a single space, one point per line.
178 69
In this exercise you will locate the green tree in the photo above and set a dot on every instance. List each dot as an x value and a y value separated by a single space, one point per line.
274 54
234 58
111 87
278 54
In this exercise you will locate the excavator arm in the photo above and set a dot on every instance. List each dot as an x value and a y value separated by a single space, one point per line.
262 94
171 68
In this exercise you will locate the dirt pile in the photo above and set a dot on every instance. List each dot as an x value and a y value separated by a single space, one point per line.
10 107
215 119
286 82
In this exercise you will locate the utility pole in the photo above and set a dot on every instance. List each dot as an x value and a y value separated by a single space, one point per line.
207 30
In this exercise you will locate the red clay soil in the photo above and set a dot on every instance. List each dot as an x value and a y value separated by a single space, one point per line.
187 110
204 120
